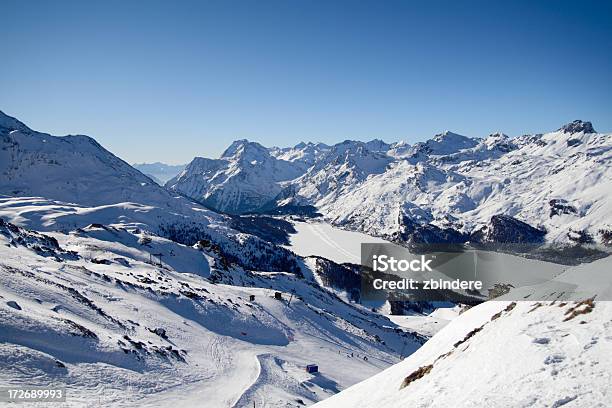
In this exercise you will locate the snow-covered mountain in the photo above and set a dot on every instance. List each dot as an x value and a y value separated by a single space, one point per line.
451 185
344 166
160 172
302 154
53 183
243 179
68 168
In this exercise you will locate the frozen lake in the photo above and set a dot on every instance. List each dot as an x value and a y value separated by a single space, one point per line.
329 242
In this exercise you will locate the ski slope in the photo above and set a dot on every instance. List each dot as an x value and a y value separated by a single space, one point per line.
86 313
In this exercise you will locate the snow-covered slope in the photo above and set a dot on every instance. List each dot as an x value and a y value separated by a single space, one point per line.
502 354
68 168
64 183
95 311
302 154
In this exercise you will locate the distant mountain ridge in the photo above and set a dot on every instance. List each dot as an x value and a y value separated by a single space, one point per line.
159 172
450 181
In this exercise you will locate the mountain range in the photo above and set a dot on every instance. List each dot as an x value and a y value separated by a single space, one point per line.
450 187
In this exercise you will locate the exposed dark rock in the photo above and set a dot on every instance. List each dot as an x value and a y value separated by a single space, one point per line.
468 336
504 229
560 206
160 332
606 236
13 304
80 330
412 232
100 261
577 126
580 237
417 374
499 289
42 244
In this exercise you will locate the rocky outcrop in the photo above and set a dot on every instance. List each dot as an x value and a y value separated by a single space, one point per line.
577 126
559 206
414 233
42 244
504 229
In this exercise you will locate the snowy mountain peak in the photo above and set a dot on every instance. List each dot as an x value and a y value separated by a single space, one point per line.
243 146
445 143
498 140
202 164
68 168
577 126
349 147
498 135
303 145
451 137
377 145
244 179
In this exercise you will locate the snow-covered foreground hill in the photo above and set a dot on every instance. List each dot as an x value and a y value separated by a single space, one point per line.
88 310
502 354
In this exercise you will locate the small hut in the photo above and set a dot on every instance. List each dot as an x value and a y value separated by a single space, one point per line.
312 368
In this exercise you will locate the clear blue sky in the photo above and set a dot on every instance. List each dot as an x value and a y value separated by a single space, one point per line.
166 81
